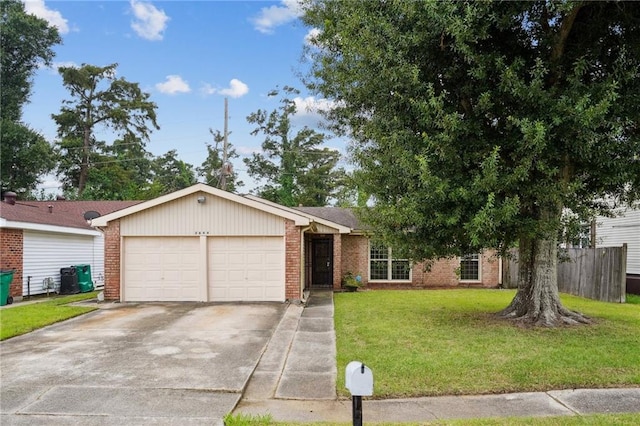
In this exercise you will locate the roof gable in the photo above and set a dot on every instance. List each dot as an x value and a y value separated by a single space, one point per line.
298 218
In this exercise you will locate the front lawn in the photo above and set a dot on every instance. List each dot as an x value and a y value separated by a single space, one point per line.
18 320
447 342
591 420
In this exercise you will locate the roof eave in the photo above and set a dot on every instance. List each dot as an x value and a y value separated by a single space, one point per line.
47 228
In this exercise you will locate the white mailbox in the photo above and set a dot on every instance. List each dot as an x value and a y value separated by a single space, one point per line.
359 379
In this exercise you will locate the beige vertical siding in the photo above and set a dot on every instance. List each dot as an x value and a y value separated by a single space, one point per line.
216 216
324 229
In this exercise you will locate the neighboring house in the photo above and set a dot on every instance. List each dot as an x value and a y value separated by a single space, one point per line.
38 238
205 244
619 230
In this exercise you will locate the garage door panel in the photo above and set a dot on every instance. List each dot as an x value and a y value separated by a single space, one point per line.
246 268
161 269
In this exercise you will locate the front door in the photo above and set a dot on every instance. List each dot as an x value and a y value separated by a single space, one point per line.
322 264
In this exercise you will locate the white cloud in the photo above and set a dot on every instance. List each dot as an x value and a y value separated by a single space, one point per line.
150 22
312 106
67 64
274 16
39 9
208 89
236 89
174 84
311 39
246 151
309 111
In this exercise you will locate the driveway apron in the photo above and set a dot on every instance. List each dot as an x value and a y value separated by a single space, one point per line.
160 363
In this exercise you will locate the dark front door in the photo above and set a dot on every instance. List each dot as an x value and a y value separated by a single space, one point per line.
322 264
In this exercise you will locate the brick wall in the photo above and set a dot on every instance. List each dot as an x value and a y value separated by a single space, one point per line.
337 261
442 274
355 256
112 261
293 267
11 257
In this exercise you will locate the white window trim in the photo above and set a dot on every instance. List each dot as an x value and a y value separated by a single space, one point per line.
390 259
479 280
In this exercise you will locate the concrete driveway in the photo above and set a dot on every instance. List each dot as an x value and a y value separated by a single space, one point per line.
159 363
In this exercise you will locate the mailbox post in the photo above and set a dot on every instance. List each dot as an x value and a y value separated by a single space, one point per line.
359 382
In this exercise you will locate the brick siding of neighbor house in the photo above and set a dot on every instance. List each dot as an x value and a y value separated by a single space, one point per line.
12 243
293 251
442 274
112 261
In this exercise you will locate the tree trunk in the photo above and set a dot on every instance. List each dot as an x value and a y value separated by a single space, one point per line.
537 301
84 160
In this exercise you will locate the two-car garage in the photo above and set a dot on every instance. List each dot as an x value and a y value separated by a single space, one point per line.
205 245
237 268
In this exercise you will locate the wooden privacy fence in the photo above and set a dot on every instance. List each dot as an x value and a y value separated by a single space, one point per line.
598 274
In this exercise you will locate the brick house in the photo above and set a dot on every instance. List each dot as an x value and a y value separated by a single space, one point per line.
204 244
358 254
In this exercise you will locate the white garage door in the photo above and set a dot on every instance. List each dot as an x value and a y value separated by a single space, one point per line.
161 269
246 269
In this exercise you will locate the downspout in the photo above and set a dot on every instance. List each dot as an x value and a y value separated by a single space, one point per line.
500 271
303 258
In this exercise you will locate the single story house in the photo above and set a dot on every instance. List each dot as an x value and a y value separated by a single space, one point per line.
207 245
624 228
38 238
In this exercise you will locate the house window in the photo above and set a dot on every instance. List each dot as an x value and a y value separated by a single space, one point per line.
383 267
470 268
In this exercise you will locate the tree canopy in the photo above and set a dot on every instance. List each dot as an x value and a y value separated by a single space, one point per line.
295 167
98 98
477 124
25 44
213 170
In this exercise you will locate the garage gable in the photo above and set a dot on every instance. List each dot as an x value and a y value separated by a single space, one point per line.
181 204
201 213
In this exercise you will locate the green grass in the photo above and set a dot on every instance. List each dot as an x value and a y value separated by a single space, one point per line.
246 419
19 320
448 342
633 299
588 420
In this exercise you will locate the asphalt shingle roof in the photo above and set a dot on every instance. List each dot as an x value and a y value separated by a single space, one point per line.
339 215
62 212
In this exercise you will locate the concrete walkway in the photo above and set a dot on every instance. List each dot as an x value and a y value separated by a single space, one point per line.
295 380
299 362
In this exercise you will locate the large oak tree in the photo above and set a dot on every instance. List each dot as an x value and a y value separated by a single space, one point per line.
477 124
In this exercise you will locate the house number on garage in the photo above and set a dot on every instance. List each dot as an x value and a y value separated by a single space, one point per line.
202 232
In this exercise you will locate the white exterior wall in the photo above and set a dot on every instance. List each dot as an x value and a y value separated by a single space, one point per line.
616 231
44 253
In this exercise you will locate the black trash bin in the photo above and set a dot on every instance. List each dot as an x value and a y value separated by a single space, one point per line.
69 281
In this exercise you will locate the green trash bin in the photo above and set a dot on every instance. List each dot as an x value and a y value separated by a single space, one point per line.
84 278
6 276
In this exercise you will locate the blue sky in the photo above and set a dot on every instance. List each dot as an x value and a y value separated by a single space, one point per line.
189 55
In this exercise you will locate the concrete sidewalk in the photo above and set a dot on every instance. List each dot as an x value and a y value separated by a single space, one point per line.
295 380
